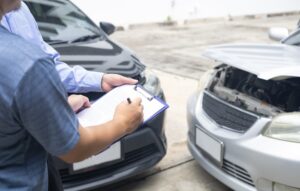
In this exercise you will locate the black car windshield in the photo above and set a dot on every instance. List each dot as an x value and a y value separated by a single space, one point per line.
293 39
60 21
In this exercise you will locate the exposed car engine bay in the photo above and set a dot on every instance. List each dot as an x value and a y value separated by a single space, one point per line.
263 97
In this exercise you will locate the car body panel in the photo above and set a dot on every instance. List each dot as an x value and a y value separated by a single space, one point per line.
266 61
251 155
143 150
80 41
102 55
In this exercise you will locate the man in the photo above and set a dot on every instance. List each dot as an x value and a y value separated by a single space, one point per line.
76 80
34 122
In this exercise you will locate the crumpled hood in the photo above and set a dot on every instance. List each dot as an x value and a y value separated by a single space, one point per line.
266 61
102 56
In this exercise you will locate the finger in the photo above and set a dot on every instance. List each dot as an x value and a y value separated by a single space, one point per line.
86 101
87 104
137 101
124 80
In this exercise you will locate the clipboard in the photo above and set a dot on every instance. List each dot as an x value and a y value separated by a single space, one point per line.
103 109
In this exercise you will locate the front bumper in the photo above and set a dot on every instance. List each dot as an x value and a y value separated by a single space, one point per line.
141 150
251 161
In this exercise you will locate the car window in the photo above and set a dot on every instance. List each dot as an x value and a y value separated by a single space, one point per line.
60 20
293 39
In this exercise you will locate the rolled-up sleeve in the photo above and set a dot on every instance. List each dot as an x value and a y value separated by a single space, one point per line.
42 109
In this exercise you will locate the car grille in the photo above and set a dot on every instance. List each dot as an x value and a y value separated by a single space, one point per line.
237 172
227 116
130 158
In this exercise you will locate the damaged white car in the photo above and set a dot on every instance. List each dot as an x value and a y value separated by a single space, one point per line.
244 120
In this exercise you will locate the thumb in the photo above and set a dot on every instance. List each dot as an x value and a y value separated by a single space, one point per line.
86 102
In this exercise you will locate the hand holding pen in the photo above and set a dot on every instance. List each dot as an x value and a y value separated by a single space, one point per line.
129 114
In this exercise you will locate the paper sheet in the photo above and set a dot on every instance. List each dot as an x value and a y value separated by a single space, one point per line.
103 109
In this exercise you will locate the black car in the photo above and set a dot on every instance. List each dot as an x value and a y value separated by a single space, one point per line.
81 42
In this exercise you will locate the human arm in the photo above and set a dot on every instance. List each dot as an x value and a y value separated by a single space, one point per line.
79 80
40 106
96 138
75 79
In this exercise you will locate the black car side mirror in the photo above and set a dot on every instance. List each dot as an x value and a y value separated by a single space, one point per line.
108 28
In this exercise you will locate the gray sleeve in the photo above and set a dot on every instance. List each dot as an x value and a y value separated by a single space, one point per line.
42 109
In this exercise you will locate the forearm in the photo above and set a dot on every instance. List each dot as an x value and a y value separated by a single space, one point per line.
94 140
77 79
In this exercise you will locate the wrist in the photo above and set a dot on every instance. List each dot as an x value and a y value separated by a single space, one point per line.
120 127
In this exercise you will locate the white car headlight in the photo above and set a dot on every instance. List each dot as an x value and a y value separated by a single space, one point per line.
285 127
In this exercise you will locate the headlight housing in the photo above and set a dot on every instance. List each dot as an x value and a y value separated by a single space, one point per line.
285 127
152 84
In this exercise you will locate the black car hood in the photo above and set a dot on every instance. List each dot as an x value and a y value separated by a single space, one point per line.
102 56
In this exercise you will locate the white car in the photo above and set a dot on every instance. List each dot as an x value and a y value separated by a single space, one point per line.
244 120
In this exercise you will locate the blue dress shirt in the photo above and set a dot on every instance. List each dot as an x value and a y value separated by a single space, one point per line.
22 23
33 122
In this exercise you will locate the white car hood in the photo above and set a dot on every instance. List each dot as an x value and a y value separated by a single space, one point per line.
266 61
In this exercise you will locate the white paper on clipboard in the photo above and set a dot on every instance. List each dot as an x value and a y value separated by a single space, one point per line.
103 109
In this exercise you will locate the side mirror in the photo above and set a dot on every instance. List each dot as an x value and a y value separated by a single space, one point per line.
108 28
278 33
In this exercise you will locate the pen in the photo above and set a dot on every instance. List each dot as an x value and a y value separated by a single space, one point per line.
128 100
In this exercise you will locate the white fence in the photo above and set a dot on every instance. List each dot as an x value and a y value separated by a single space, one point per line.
124 12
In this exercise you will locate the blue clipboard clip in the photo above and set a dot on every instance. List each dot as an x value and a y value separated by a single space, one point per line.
143 92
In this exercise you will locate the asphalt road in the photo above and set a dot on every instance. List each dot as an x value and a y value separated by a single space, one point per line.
174 54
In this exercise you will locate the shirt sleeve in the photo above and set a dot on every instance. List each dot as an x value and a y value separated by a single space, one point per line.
77 79
42 109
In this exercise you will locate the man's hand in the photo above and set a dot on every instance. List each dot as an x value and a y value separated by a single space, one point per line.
127 118
78 101
110 81
129 115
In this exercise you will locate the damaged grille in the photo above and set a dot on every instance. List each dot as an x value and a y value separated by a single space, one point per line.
227 116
